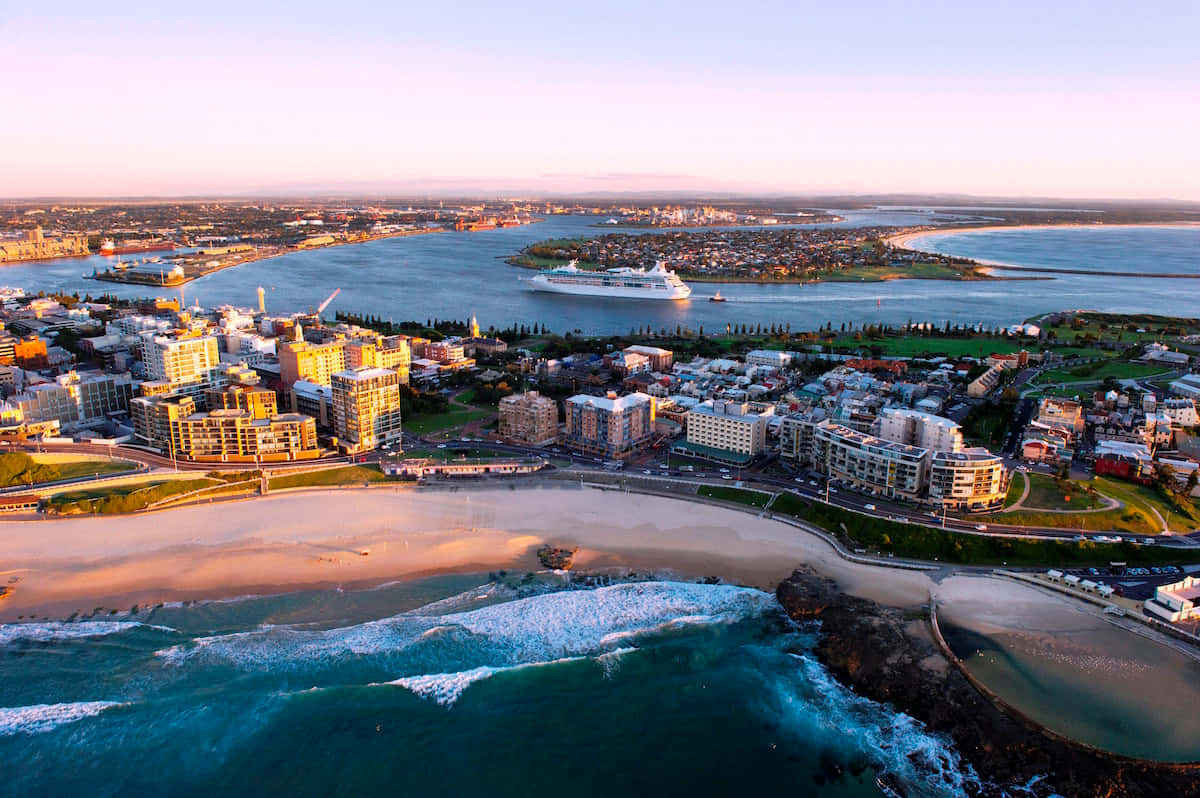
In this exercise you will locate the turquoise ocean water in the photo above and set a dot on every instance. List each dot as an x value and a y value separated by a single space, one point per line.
450 686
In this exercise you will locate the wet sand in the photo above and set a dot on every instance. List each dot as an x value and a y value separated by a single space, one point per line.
1071 668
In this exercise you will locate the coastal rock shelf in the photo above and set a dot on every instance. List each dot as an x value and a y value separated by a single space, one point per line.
889 655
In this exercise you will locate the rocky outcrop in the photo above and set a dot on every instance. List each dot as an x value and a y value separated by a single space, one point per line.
890 656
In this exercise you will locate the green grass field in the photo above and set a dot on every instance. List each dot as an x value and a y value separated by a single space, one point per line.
425 423
1015 488
73 469
925 543
1148 499
1117 369
346 475
126 498
1045 494
752 498
934 345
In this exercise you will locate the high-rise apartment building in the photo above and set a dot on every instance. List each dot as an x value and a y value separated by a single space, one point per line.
300 360
366 408
185 365
733 431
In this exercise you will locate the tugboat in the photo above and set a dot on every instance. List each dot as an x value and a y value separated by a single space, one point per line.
717 298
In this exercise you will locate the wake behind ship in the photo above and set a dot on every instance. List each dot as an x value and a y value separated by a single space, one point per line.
625 283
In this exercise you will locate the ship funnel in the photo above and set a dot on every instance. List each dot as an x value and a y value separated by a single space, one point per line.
262 300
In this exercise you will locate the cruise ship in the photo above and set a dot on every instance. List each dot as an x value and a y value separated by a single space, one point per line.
625 283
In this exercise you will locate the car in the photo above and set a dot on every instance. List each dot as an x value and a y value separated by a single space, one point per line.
981 527
800 480
646 471
726 476
812 482
441 446
833 490
724 470
868 507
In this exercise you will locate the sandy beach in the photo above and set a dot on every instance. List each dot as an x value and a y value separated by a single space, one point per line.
355 538
905 240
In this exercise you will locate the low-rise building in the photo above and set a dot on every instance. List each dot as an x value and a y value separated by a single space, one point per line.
235 435
985 383
727 431
1175 602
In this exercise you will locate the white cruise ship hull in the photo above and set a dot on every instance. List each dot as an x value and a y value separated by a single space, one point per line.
540 283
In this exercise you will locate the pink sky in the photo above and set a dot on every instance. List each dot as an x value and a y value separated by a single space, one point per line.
197 106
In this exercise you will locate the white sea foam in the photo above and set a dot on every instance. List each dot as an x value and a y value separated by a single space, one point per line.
539 628
65 630
39 718
895 742
446 688
611 660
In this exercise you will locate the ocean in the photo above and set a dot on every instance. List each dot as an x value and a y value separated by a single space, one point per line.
451 685
455 275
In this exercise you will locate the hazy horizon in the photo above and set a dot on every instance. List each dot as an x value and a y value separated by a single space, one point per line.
1074 101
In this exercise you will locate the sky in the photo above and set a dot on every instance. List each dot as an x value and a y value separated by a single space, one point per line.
1053 99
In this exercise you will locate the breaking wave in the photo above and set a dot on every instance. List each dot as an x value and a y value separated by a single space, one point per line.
539 628
65 630
819 707
445 688
40 718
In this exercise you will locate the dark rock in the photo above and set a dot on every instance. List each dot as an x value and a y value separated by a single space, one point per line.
888 656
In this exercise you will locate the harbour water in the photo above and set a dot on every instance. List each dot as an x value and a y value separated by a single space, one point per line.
452 275
453 685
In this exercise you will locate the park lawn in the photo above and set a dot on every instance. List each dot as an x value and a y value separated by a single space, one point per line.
754 498
73 469
466 397
1117 369
1128 520
1148 499
126 498
345 475
425 423
933 345
1015 488
925 543
1045 494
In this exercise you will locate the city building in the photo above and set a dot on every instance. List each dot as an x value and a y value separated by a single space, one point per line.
919 429
529 418
313 400
258 402
366 408
233 435
769 358
985 383
153 420
660 359
313 362
1181 411
75 399
894 470
184 364
609 426
35 246
1188 385
734 432
796 435
967 481
1175 602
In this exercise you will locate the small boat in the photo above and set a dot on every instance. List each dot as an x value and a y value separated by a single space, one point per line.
717 298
